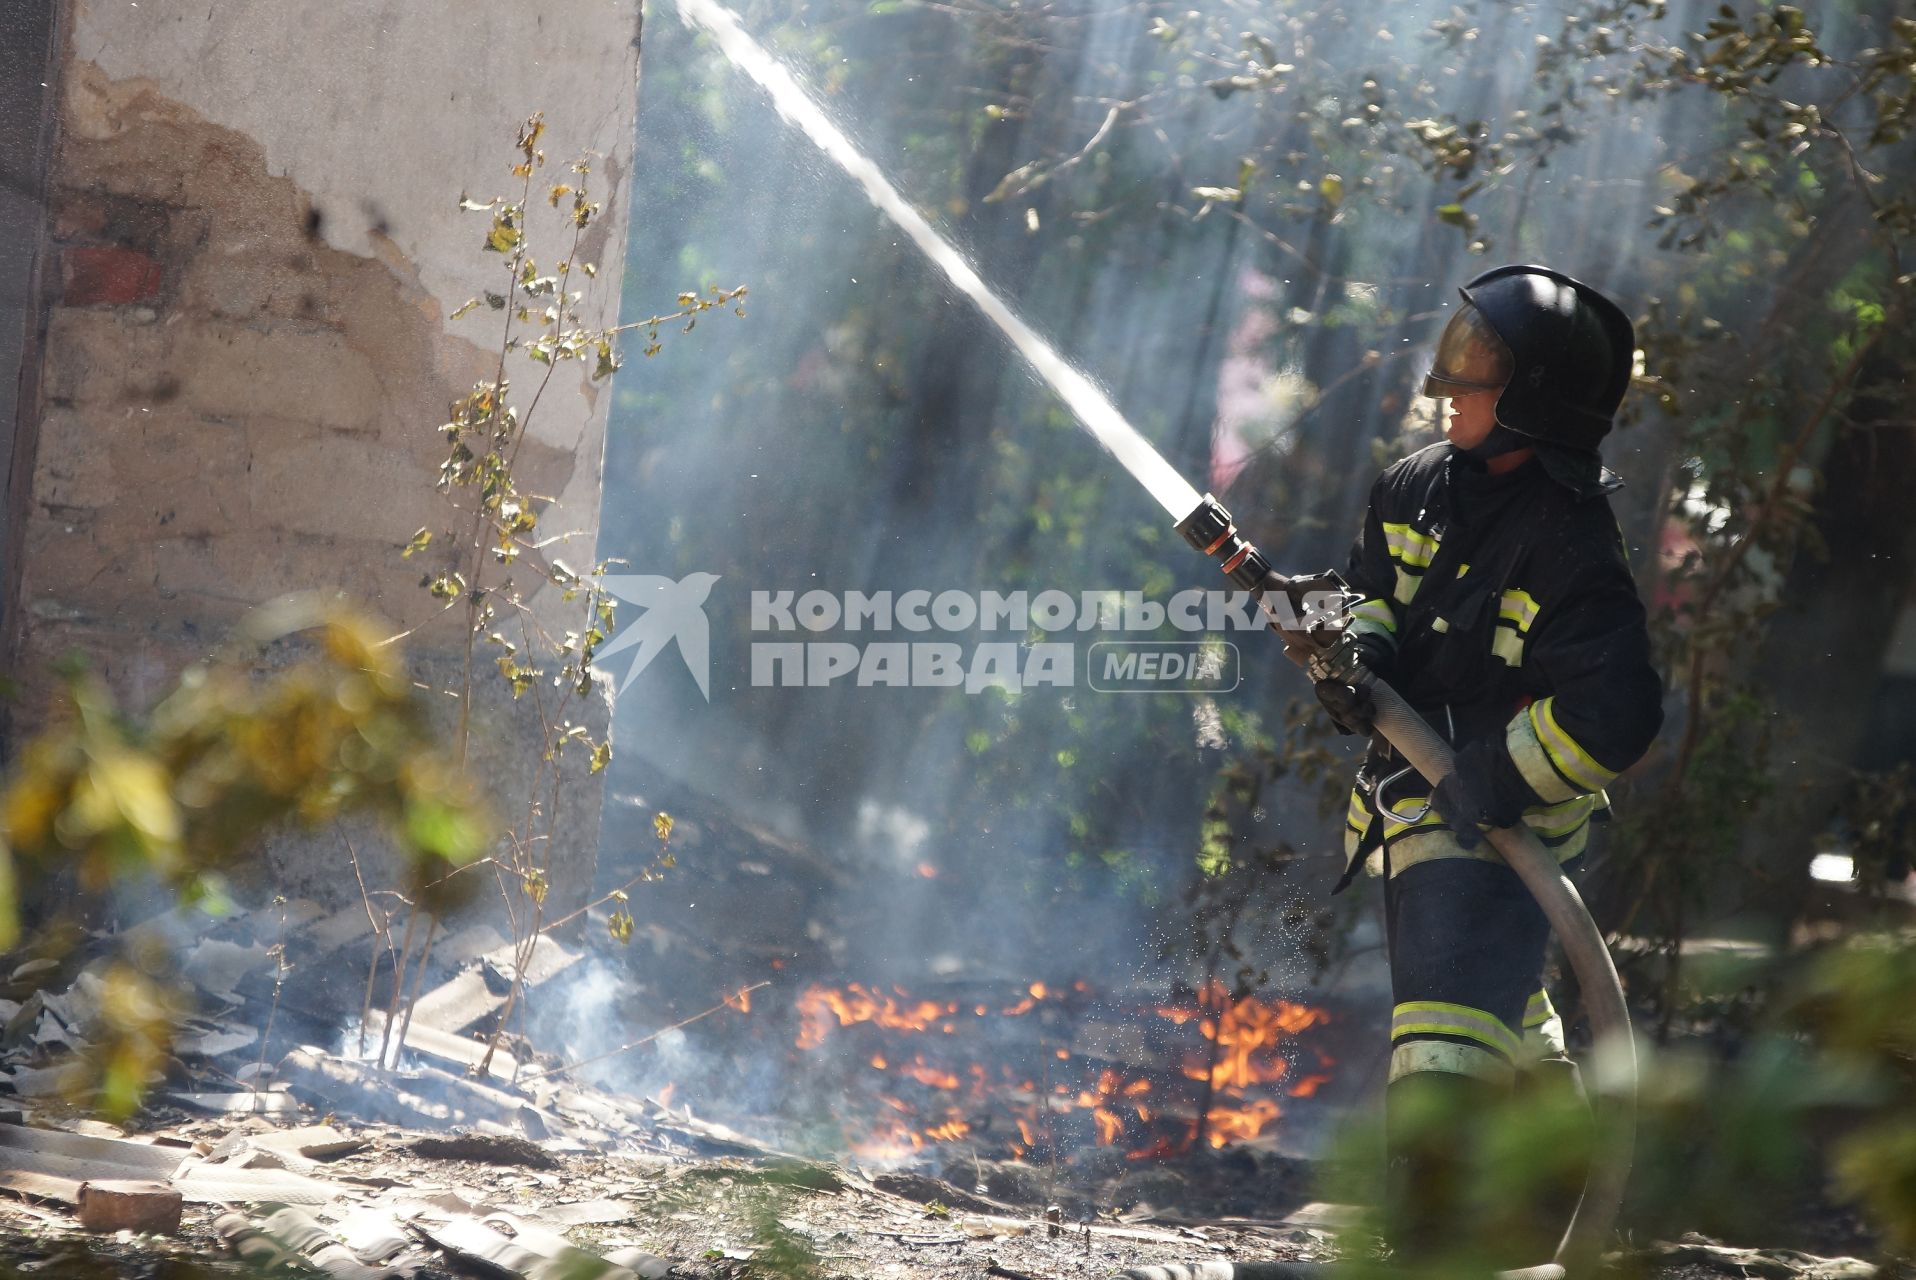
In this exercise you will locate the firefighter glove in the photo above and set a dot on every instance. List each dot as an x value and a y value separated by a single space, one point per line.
1377 654
1351 707
1469 798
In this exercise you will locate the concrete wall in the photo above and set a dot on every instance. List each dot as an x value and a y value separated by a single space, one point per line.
254 247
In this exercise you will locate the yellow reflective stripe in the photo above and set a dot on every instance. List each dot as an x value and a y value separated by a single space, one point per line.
1565 752
1414 548
1539 1010
1462 569
1508 645
1527 753
1374 615
1560 819
1439 1017
1519 607
1406 587
1395 824
1416 847
1415 1056
1545 1040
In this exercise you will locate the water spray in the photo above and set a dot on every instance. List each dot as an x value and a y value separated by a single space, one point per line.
1320 643
1092 408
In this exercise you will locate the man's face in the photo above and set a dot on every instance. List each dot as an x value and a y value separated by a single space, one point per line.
1470 416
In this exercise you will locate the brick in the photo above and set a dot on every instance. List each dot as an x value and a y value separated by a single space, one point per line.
145 1207
108 275
219 370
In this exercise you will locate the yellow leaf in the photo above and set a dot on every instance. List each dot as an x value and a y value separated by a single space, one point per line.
139 789
504 237
662 824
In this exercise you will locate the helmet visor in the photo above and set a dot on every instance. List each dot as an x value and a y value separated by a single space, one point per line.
1470 357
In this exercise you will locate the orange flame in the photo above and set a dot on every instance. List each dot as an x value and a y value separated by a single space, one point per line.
1308 1086
1238 1052
1222 1124
1246 1033
818 1006
926 1074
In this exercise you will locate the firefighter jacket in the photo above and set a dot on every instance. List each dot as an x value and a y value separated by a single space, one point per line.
1513 626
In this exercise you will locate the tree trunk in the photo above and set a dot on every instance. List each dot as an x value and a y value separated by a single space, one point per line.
1822 659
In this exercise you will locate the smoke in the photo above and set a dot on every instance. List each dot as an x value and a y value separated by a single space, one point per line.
865 429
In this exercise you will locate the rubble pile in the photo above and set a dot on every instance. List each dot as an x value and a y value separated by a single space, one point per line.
272 1144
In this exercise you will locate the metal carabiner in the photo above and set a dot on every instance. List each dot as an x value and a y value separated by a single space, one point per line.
1383 806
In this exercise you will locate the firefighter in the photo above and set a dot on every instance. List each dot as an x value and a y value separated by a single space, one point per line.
1498 600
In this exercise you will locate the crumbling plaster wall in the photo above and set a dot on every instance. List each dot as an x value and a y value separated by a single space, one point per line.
254 248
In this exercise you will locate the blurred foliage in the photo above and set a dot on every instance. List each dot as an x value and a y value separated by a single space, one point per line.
183 793
1765 1140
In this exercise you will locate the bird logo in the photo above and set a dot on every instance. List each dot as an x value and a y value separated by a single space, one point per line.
672 611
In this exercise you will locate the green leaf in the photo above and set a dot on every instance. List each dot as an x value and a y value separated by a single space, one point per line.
444 831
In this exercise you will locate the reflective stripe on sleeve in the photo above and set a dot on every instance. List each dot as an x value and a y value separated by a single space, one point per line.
1560 819
1374 617
1407 584
1438 1017
1533 762
1565 752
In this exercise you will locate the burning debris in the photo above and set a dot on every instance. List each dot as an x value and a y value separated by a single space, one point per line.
407 1142
1041 1119
1043 1073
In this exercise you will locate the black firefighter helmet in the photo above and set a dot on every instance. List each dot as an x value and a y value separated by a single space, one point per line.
1561 351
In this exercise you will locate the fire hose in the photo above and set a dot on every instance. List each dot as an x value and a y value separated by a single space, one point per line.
1316 637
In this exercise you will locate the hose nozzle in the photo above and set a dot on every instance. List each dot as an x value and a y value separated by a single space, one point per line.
1210 529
